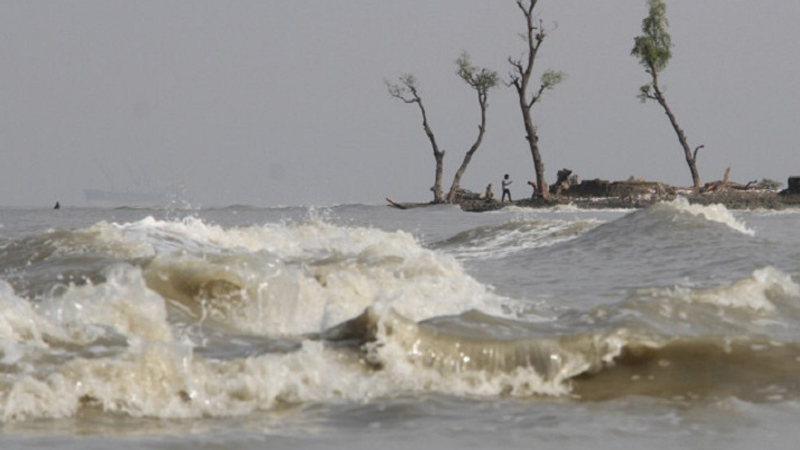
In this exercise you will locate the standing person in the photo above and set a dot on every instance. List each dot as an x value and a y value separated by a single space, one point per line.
506 182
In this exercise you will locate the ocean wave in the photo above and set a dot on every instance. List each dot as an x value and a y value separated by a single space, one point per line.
715 213
518 235
742 347
701 369
658 227
285 279
451 355
186 319
605 353
758 292
304 277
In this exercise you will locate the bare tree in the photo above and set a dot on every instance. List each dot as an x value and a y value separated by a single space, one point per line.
482 80
408 92
654 50
520 78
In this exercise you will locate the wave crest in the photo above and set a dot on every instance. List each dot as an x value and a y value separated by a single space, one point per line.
715 213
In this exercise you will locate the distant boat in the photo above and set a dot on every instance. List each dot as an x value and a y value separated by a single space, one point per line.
124 198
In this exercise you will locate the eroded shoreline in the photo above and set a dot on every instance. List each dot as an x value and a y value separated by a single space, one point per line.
733 199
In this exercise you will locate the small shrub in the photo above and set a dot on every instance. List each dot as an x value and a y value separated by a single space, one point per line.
771 184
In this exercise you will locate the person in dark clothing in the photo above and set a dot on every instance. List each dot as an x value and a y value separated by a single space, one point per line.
506 191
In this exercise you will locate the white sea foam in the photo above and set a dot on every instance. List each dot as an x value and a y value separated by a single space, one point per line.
281 280
112 344
303 278
275 279
149 374
715 213
758 292
123 303
18 321
168 380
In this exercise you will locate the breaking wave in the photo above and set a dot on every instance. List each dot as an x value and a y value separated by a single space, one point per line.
185 319
714 213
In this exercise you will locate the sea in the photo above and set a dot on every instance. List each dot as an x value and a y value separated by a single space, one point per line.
370 327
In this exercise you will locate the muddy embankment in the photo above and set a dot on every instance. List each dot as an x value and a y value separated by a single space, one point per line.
597 194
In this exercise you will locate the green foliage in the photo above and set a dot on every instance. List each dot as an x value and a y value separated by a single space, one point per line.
645 93
552 78
481 79
654 46
408 84
771 184
409 80
464 65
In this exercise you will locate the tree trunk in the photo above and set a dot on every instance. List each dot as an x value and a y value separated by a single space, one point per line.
521 83
451 197
533 140
437 186
438 155
681 136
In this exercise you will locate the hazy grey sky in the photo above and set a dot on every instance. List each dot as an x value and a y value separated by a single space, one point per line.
282 102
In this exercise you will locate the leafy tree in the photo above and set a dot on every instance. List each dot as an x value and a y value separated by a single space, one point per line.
482 80
654 50
520 78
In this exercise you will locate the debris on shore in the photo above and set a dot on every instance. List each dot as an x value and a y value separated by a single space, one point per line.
632 194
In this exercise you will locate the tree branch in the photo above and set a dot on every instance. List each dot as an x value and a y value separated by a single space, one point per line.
694 156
